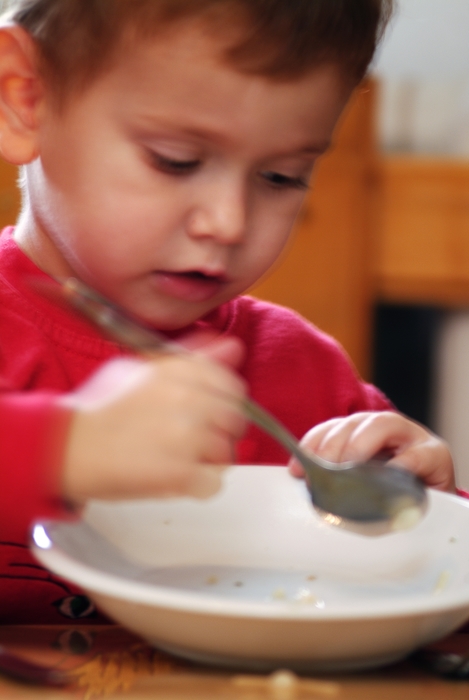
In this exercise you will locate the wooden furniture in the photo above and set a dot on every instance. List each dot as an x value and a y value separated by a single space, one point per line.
326 272
422 246
375 228
9 194
108 662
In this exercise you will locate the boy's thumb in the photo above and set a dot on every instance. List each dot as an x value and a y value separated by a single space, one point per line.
228 350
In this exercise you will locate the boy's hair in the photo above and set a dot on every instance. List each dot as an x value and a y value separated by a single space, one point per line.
280 39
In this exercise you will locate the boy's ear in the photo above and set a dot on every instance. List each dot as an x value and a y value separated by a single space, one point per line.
21 95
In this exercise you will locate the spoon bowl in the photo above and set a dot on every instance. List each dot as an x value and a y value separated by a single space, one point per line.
369 497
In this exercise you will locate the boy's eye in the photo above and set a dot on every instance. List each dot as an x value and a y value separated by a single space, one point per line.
172 165
284 181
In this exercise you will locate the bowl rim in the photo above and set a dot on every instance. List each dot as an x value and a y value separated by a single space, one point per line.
111 585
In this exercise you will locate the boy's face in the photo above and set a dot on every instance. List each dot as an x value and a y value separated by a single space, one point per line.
171 185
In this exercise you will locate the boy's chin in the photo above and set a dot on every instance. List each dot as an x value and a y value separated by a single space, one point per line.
176 324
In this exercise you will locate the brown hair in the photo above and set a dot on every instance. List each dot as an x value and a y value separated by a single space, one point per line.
280 39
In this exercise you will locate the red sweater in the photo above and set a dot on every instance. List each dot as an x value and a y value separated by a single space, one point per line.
298 373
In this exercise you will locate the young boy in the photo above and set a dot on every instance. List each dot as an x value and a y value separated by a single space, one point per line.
166 148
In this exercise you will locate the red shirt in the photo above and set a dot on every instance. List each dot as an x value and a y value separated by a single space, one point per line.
298 373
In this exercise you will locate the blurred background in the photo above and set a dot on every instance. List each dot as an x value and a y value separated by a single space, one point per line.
388 222
381 254
423 68
421 353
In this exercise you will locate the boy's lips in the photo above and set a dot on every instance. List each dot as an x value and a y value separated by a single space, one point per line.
192 285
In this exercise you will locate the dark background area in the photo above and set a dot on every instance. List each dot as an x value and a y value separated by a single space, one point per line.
403 357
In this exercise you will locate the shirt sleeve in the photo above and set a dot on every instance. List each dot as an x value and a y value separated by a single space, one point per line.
33 432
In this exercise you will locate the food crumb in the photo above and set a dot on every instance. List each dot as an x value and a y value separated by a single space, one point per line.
406 519
166 522
311 577
239 584
442 582
279 594
305 596
211 580
453 540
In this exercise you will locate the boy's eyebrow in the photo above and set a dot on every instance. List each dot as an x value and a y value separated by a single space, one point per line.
313 149
309 149
212 135
318 148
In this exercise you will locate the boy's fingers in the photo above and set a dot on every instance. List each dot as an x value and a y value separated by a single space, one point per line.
431 461
333 445
112 378
204 482
314 437
312 441
218 449
201 481
295 469
366 435
231 422
329 440
216 376
379 432
359 437
227 350
362 436
230 351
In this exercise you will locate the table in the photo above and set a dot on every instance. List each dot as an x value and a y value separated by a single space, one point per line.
109 662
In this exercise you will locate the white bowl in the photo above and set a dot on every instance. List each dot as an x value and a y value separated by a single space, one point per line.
254 578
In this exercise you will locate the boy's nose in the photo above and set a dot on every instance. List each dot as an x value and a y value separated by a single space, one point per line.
221 214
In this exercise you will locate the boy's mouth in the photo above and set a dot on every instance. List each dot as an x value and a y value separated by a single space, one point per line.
193 285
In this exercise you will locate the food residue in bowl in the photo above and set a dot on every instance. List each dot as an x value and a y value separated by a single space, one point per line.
305 596
279 594
406 519
442 582
212 580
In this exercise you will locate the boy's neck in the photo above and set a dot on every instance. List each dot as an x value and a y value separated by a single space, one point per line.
38 247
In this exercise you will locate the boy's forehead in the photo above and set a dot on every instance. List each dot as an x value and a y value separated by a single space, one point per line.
185 71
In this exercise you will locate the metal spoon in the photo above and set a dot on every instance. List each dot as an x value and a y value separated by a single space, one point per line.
366 496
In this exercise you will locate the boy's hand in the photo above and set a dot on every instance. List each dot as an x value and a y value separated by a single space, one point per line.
362 436
155 428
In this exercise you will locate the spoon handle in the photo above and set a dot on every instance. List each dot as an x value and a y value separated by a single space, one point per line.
132 334
264 420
